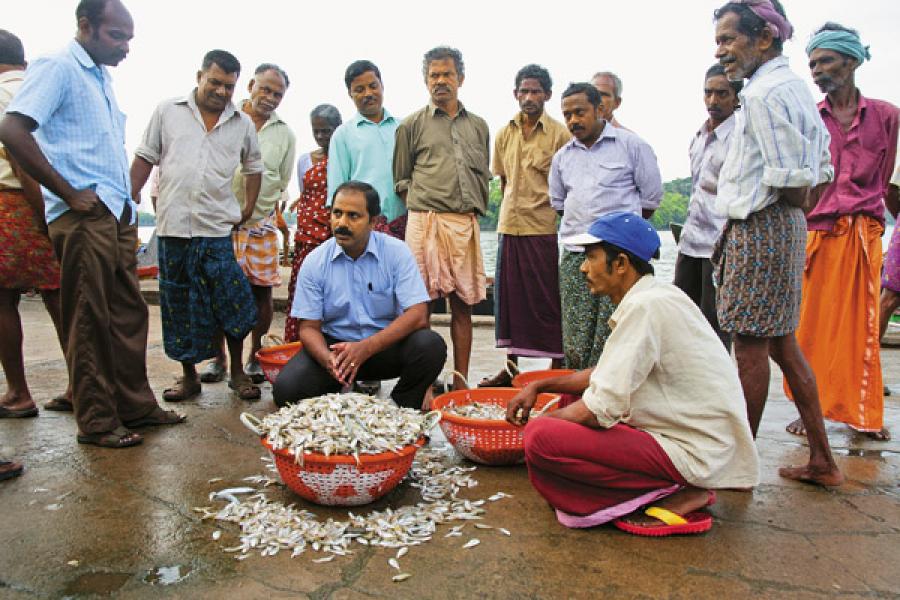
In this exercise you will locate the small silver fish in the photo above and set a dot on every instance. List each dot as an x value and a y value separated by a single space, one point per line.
472 543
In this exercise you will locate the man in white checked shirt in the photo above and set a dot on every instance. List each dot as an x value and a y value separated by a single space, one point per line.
776 165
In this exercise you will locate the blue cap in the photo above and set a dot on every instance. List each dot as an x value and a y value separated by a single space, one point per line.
626 230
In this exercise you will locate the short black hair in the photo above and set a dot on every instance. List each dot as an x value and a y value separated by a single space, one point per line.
270 67
440 53
587 89
612 252
832 26
327 112
717 70
92 10
749 23
227 61
12 52
373 203
535 72
357 68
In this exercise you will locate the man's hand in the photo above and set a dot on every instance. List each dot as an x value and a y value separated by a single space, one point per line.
83 201
798 197
347 358
519 407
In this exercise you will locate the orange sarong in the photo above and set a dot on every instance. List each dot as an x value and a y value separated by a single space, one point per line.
838 329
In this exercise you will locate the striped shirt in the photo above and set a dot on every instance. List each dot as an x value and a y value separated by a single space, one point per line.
81 130
779 141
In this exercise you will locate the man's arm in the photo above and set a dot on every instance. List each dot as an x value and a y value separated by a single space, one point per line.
556 189
338 163
403 161
315 345
140 173
32 191
647 178
519 407
252 183
16 135
252 169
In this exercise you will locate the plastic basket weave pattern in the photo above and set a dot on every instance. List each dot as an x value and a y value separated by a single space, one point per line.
273 358
339 480
484 441
526 377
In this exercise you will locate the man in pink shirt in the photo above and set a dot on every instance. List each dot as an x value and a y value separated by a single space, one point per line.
839 316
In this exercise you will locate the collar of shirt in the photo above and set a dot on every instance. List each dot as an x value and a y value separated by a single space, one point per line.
358 119
643 283
721 132
519 120
230 110
609 132
433 109
779 62
371 248
273 118
861 105
85 60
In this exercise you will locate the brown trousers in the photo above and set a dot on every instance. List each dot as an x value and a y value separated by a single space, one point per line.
104 319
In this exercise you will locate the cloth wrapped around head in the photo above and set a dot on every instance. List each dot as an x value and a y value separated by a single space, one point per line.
845 42
765 10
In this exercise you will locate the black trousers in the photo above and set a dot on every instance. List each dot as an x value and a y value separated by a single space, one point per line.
417 360
695 278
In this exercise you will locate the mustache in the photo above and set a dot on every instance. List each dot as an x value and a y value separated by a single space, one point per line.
343 231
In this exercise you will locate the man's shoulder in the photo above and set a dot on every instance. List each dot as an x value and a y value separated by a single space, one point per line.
415 117
321 254
478 121
886 109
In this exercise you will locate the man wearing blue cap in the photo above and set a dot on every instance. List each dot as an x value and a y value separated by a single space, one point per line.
651 427
839 325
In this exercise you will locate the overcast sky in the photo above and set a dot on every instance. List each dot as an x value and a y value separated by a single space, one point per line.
659 48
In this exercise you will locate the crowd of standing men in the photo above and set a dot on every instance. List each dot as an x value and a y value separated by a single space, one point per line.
387 222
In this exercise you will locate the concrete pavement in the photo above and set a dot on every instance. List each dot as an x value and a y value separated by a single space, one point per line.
89 522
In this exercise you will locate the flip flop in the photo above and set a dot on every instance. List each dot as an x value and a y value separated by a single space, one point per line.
23 413
672 523
254 372
158 417
501 379
245 389
119 437
10 469
213 372
179 393
60 404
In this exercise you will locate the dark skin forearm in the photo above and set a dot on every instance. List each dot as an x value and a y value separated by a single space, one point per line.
519 407
140 172
32 191
577 412
892 200
252 184
16 134
798 197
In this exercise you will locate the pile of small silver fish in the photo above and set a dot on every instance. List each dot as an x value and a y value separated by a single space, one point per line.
345 424
477 410
269 527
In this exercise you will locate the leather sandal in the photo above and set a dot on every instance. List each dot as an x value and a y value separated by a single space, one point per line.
120 437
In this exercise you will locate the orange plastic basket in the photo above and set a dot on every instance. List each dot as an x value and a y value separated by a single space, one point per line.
339 480
526 377
484 441
273 358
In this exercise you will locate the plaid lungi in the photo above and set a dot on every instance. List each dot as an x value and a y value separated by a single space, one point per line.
256 251
759 272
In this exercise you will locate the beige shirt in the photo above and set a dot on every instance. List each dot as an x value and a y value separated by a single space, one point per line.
664 371
196 167
278 147
10 82
525 165
442 163
895 180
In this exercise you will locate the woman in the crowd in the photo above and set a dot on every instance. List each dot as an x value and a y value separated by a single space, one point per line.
313 222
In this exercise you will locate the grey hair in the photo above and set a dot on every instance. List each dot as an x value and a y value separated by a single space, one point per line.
617 83
327 112
440 53
273 67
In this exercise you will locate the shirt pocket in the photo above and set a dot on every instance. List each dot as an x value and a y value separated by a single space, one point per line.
476 159
381 304
866 166
612 175
539 161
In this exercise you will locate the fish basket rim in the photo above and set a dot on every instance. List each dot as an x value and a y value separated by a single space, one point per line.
348 459
549 373
447 416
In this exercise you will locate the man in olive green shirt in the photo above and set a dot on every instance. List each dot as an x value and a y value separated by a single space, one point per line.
528 318
256 242
441 171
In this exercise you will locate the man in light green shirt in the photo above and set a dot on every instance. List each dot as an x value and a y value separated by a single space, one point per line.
256 241
362 149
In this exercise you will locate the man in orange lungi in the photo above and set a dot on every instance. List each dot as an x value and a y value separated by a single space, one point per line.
839 316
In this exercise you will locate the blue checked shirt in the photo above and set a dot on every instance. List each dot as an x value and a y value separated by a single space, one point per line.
779 141
81 130
355 299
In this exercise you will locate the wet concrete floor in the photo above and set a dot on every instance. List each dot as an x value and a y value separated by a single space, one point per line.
88 522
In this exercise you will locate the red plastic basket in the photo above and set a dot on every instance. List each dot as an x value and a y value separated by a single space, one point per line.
340 480
526 377
273 358
484 441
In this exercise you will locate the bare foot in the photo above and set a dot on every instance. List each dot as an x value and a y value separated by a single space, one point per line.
829 476
879 436
459 383
796 428
14 401
426 401
681 502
